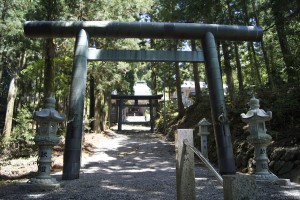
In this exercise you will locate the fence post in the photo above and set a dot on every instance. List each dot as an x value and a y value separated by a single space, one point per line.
185 174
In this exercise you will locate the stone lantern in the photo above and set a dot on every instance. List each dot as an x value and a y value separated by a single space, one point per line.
203 133
258 137
47 125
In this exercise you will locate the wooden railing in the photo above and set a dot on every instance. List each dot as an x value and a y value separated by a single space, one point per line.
206 162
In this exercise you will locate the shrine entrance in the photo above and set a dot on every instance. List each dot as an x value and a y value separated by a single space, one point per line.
83 30
120 105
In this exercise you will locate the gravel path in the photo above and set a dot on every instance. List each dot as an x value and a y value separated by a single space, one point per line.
135 165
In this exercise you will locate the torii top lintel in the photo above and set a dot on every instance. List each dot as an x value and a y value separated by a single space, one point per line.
110 29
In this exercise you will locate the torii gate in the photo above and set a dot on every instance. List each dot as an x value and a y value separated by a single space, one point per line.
150 98
206 32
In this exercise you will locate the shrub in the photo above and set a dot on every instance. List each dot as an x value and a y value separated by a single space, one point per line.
21 141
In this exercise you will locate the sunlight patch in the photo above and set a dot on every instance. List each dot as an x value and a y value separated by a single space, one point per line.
291 193
92 169
201 179
35 196
112 187
138 170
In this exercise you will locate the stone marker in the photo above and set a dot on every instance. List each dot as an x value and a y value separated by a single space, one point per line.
185 173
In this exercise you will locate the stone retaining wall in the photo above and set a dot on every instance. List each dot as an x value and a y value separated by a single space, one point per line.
283 161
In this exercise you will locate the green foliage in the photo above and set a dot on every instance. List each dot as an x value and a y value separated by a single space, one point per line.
284 104
281 96
21 141
63 75
167 114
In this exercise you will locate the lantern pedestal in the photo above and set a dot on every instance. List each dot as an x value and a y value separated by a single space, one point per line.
262 171
47 121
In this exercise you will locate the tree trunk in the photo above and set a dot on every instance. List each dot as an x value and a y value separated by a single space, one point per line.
196 76
178 89
255 78
106 110
267 63
52 8
101 113
92 101
1 73
280 28
109 108
153 79
228 71
49 71
265 55
252 75
154 84
256 64
97 127
11 98
238 67
12 93
169 85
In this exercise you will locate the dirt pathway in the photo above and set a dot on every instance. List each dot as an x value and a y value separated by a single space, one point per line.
130 165
134 164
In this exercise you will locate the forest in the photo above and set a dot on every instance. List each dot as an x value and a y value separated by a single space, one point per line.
33 69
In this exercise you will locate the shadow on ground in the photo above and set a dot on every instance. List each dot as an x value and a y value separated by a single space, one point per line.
131 165
128 165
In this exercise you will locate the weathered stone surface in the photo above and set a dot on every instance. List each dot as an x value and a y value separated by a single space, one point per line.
36 184
245 146
239 159
278 165
251 166
245 161
271 164
47 119
286 167
289 155
292 175
278 162
250 152
277 153
185 174
239 186
244 152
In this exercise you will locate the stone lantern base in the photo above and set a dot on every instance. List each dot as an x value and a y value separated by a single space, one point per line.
265 177
37 184
271 178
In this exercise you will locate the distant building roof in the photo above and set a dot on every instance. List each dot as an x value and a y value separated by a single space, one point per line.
141 88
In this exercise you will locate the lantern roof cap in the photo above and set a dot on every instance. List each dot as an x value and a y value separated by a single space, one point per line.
48 112
254 103
204 122
256 112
